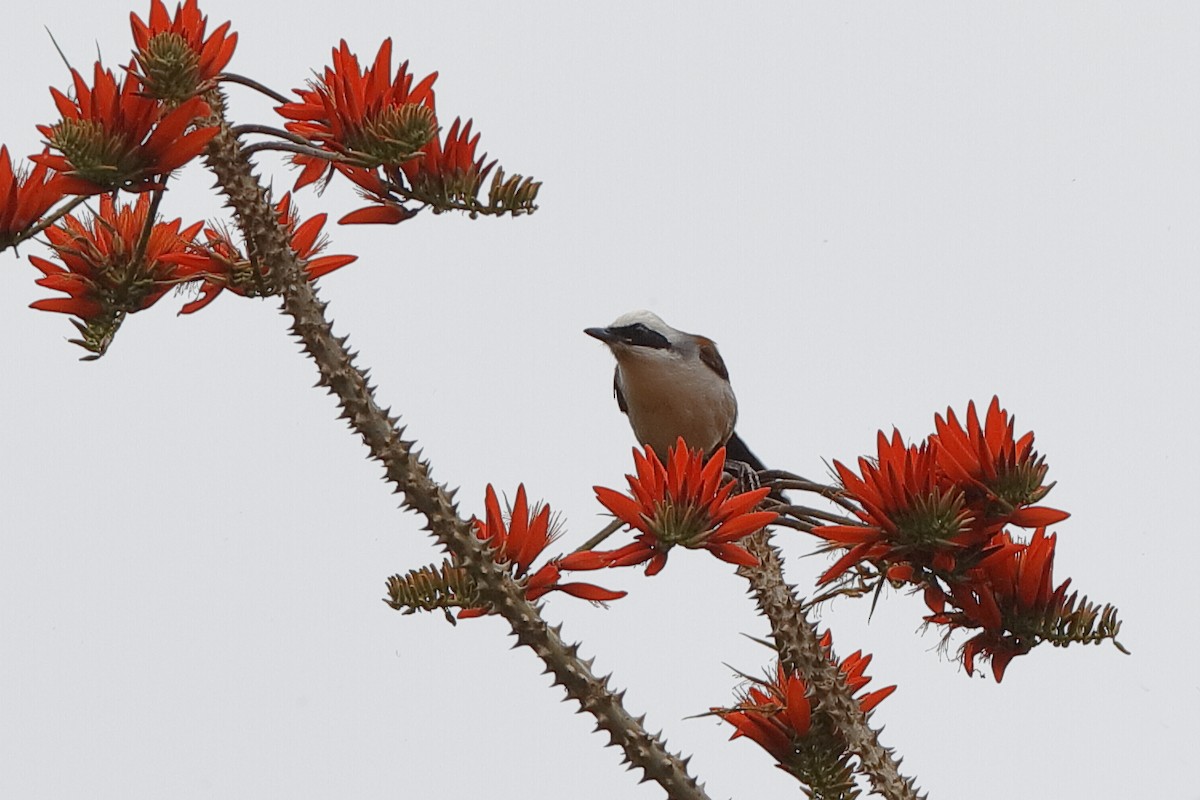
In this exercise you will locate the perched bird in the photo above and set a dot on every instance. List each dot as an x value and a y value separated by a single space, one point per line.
673 384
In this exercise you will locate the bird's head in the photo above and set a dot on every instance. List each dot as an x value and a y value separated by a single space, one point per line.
642 334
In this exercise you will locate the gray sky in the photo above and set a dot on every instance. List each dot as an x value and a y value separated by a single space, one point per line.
877 211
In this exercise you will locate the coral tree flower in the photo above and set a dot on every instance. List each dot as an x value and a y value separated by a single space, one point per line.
107 272
368 116
910 515
380 130
449 171
175 60
1002 476
25 195
774 714
1012 598
683 503
932 509
518 543
781 717
385 209
112 136
220 265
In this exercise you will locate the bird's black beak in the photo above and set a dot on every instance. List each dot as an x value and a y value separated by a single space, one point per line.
603 334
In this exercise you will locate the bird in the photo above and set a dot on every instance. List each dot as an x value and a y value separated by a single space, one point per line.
673 384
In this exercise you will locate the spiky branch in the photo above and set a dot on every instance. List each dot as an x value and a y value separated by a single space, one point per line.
800 650
267 242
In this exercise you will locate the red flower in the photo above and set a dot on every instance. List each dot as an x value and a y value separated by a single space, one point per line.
107 272
368 116
449 171
384 210
25 195
221 265
176 60
774 714
683 504
112 136
522 540
1001 475
443 175
1011 596
911 516
780 717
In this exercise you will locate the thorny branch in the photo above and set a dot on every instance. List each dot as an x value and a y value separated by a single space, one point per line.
799 649
268 242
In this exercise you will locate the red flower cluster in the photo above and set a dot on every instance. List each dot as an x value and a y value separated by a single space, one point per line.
449 169
933 508
114 136
218 263
176 60
367 116
934 514
111 267
381 131
913 517
780 716
683 503
1012 597
1000 475
519 542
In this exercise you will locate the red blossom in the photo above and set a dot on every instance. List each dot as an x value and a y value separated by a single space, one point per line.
911 517
384 209
781 717
774 714
683 503
25 195
1011 597
220 265
449 169
443 174
107 271
930 511
519 542
112 136
368 116
175 58
1002 476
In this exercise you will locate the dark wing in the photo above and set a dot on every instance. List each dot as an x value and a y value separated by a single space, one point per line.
711 357
621 404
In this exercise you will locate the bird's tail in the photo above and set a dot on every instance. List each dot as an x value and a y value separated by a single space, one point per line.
736 449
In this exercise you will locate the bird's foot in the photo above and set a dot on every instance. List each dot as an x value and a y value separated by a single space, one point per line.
744 475
748 479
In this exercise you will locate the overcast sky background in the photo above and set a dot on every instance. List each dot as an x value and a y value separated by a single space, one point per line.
877 210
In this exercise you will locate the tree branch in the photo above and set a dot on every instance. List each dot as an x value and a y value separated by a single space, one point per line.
410 474
799 649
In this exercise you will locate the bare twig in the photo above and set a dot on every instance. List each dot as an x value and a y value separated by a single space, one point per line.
292 147
596 540
230 77
144 239
782 479
269 130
